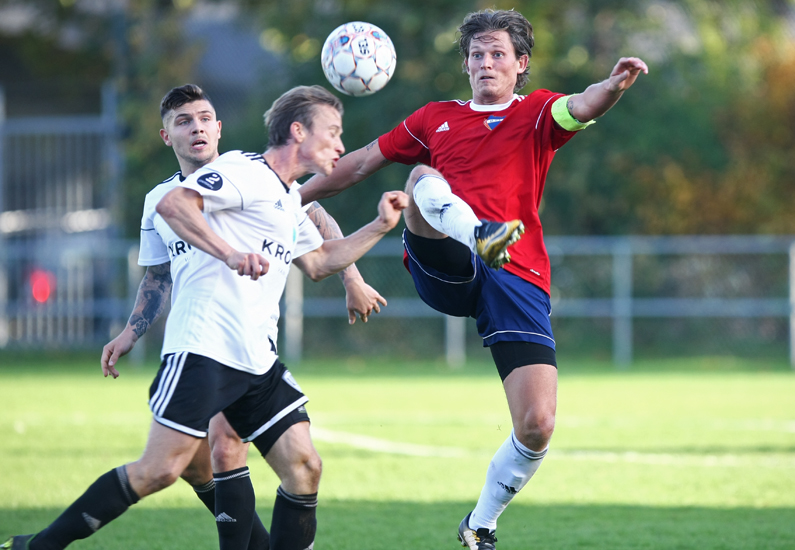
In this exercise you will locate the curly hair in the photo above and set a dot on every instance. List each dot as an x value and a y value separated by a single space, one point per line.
518 28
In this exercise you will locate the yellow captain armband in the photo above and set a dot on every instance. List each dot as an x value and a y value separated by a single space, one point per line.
561 114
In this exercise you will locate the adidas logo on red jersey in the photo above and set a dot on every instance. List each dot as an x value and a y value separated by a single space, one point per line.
443 128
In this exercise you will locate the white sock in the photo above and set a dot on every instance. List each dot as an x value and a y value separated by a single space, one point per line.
444 211
511 468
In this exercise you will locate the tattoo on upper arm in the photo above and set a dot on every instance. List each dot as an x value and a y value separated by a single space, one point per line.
371 144
570 105
326 225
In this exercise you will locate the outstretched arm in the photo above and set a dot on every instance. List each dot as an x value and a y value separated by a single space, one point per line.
360 297
598 98
350 170
181 208
335 255
150 301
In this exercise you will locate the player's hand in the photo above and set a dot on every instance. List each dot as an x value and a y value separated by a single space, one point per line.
391 205
118 347
625 72
361 298
247 265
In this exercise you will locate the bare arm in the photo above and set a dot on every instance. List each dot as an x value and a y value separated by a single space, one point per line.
335 255
350 170
153 292
181 208
598 98
360 297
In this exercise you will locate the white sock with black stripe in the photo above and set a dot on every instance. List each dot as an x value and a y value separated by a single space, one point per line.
510 469
444 211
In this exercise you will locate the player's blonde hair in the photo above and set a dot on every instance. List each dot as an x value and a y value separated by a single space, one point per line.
514 23
296 105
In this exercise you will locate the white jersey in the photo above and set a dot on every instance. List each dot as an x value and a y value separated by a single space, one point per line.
217 313
159 244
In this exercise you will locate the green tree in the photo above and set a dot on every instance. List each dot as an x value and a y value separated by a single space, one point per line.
703 144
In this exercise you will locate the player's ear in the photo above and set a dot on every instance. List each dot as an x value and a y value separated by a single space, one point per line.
298 132
164 137
523 61
219 129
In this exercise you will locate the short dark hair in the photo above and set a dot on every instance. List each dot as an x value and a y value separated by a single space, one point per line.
296 105
179 96
519 29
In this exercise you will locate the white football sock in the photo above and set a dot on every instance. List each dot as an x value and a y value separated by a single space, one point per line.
444 211
511 468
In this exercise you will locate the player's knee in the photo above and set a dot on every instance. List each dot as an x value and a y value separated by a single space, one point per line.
536 430
306 471
196 475
229 454
160 476
417 172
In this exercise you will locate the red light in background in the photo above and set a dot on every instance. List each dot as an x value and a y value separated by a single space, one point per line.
42 284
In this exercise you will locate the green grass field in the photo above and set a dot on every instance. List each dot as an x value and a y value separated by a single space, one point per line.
686 454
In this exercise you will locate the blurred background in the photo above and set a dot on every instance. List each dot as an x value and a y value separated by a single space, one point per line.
670 222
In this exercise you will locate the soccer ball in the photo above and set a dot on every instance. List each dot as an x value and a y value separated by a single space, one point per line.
358 58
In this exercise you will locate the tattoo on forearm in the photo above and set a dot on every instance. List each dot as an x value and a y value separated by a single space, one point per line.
371 144
570 106
152 294
153 305
139 325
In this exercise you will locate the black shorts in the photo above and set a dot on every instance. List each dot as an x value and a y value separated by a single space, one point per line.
509 356
190 389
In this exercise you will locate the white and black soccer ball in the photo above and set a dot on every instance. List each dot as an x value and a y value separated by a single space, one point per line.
358 58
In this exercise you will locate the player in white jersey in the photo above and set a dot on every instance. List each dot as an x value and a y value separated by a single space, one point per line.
164 254
215 356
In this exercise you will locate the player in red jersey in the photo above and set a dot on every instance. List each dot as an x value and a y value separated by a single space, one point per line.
487 159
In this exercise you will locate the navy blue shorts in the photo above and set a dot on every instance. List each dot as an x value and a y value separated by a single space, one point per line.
190 389
506 307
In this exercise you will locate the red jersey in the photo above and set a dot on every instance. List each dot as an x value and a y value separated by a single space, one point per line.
495 158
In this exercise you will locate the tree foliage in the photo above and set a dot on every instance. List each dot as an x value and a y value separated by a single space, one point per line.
703 144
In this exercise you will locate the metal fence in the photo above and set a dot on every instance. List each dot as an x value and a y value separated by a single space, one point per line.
59 261
622 280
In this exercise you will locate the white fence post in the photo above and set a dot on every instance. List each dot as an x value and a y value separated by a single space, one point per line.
294 315
455 340
3 277
792 305
622 303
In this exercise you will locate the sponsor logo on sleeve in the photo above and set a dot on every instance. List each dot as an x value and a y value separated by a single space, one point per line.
212 181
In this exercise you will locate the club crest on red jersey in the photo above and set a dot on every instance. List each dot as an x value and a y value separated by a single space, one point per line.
491 122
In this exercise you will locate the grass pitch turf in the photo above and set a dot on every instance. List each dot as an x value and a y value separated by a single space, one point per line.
672 455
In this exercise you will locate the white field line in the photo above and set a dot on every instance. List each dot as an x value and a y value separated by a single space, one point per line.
377 445
754 425
725 460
